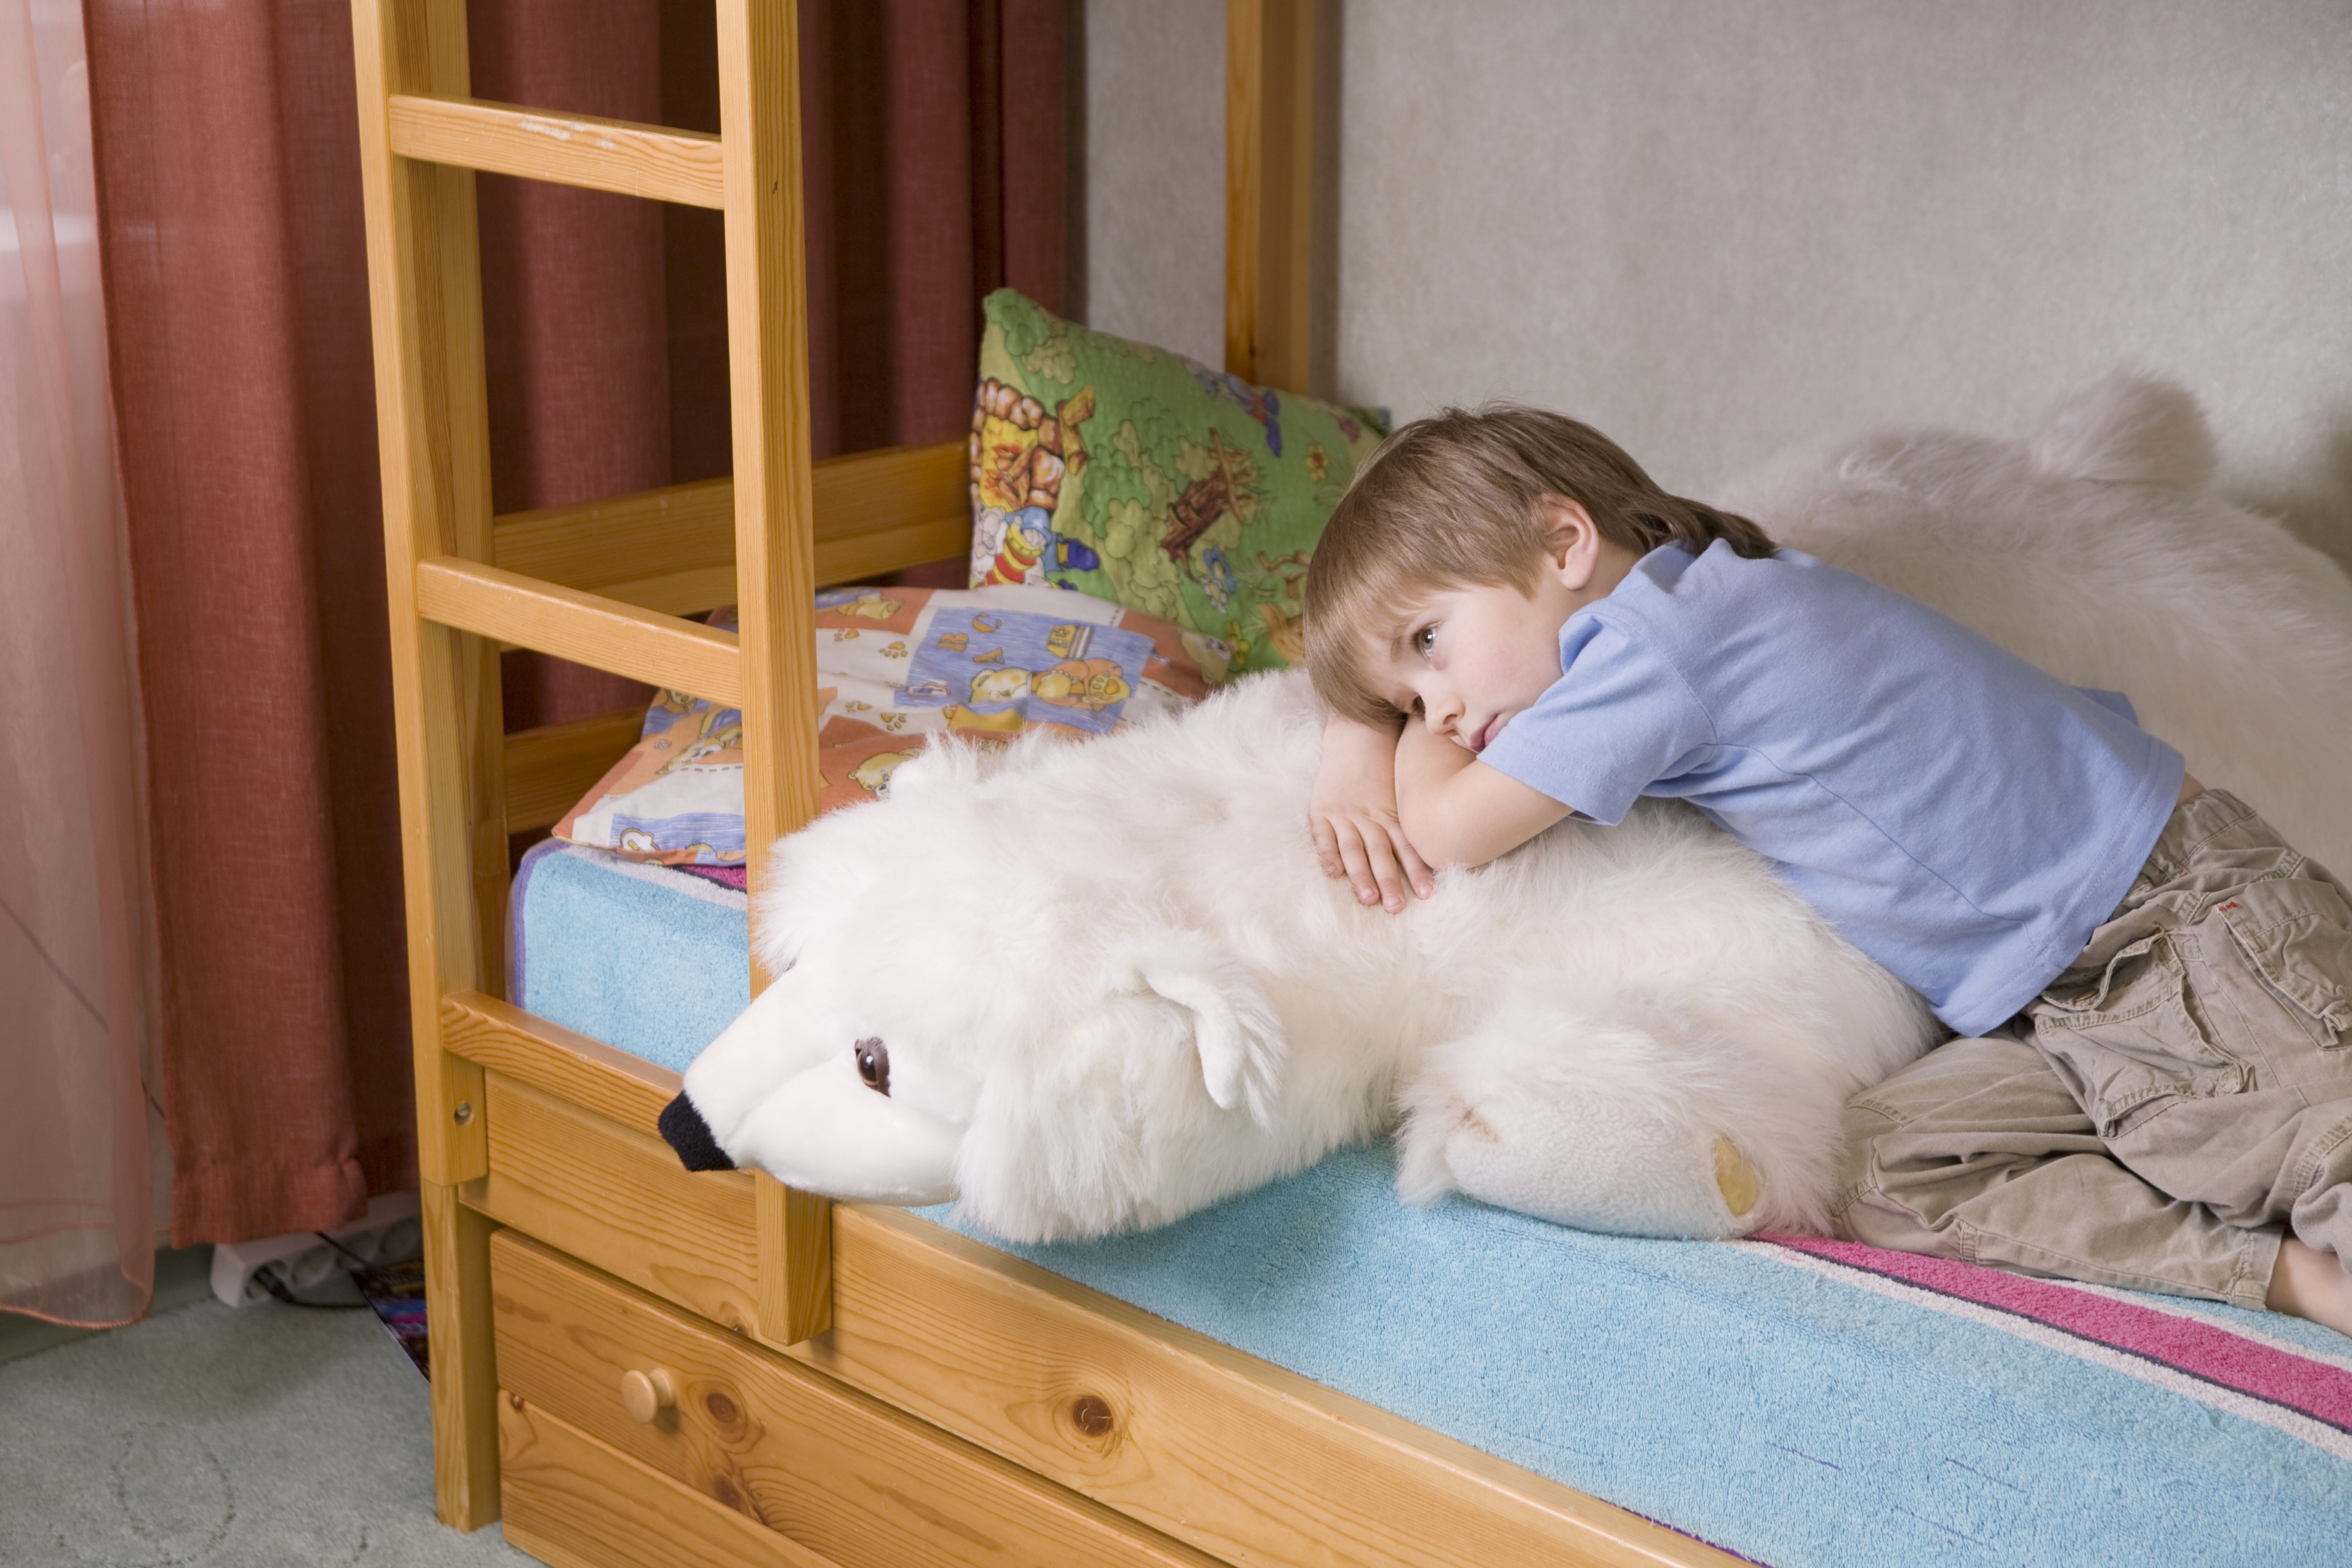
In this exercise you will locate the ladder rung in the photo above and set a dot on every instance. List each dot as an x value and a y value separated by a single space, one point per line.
585 627
674 548
618 155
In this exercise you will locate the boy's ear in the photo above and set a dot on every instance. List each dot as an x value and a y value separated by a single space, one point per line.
1571 538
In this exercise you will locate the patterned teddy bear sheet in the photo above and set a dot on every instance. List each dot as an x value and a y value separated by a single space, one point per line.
896 667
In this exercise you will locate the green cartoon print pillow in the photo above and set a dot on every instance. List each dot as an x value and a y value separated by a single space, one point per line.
1143 477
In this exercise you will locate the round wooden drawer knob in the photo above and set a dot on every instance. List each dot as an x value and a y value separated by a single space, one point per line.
645 1395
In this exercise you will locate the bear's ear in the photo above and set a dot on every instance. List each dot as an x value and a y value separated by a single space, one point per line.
1234 1028
2131 428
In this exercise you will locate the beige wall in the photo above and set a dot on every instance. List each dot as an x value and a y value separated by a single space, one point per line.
1151 172
1712 228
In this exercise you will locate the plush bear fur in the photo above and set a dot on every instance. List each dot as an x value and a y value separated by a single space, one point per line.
1113 985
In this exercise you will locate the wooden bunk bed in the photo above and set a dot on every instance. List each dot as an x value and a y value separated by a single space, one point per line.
635 1364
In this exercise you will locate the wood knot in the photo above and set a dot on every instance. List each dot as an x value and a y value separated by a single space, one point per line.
723 1409
1091 1414
723 1488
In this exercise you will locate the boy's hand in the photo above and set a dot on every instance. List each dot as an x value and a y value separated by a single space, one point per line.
1354 816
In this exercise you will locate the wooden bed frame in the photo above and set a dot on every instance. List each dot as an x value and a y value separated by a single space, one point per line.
633 1364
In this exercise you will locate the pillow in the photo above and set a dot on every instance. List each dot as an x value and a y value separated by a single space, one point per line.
895 667
1137 475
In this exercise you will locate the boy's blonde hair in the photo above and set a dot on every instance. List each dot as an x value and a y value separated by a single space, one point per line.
1451 501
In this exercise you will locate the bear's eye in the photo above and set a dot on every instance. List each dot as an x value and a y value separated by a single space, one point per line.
873 1065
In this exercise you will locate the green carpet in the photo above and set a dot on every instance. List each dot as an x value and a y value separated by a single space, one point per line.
211 1437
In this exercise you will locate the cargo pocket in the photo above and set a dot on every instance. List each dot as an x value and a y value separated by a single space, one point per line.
2298 936
2125 1042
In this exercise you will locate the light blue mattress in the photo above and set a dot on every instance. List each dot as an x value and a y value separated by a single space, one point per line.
1800 1404
654 961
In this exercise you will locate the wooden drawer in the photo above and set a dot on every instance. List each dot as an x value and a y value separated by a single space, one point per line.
574 1502
614 1197
844 1475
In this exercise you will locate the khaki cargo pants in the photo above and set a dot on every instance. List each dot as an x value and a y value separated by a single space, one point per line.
2170 1104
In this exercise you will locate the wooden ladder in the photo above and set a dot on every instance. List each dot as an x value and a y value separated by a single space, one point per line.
606 584
603 584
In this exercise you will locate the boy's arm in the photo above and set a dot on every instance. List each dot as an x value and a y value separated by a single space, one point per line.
1456 809
1354 815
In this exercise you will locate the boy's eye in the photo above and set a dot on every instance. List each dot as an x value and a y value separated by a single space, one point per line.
1423 640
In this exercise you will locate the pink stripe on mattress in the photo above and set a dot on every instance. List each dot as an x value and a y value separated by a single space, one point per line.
735 876
2200 1349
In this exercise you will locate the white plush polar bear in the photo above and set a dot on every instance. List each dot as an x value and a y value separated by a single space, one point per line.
1108 984
1098 987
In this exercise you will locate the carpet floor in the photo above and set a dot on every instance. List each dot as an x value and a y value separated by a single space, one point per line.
213 1437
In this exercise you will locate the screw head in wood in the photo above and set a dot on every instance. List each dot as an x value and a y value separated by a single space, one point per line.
465 1112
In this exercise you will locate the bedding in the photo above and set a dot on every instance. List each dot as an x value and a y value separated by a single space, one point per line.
1800 1401
1141 475
896 667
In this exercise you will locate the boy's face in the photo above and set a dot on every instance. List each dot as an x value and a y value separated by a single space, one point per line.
1473 658
1477 657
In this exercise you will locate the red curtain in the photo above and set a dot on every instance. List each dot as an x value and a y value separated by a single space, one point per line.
236 275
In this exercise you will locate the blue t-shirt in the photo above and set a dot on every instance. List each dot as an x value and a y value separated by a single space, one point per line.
1961 816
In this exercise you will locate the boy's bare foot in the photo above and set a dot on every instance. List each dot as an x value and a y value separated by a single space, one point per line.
2309 1283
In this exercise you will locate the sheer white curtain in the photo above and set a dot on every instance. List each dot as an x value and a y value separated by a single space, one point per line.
77 1214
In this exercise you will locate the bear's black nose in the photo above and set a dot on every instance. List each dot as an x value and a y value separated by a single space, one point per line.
683 1128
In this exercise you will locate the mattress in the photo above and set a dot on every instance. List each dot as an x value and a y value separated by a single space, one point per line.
654 959
1799 1402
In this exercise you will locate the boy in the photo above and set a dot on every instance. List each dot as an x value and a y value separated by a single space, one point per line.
2153 1087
